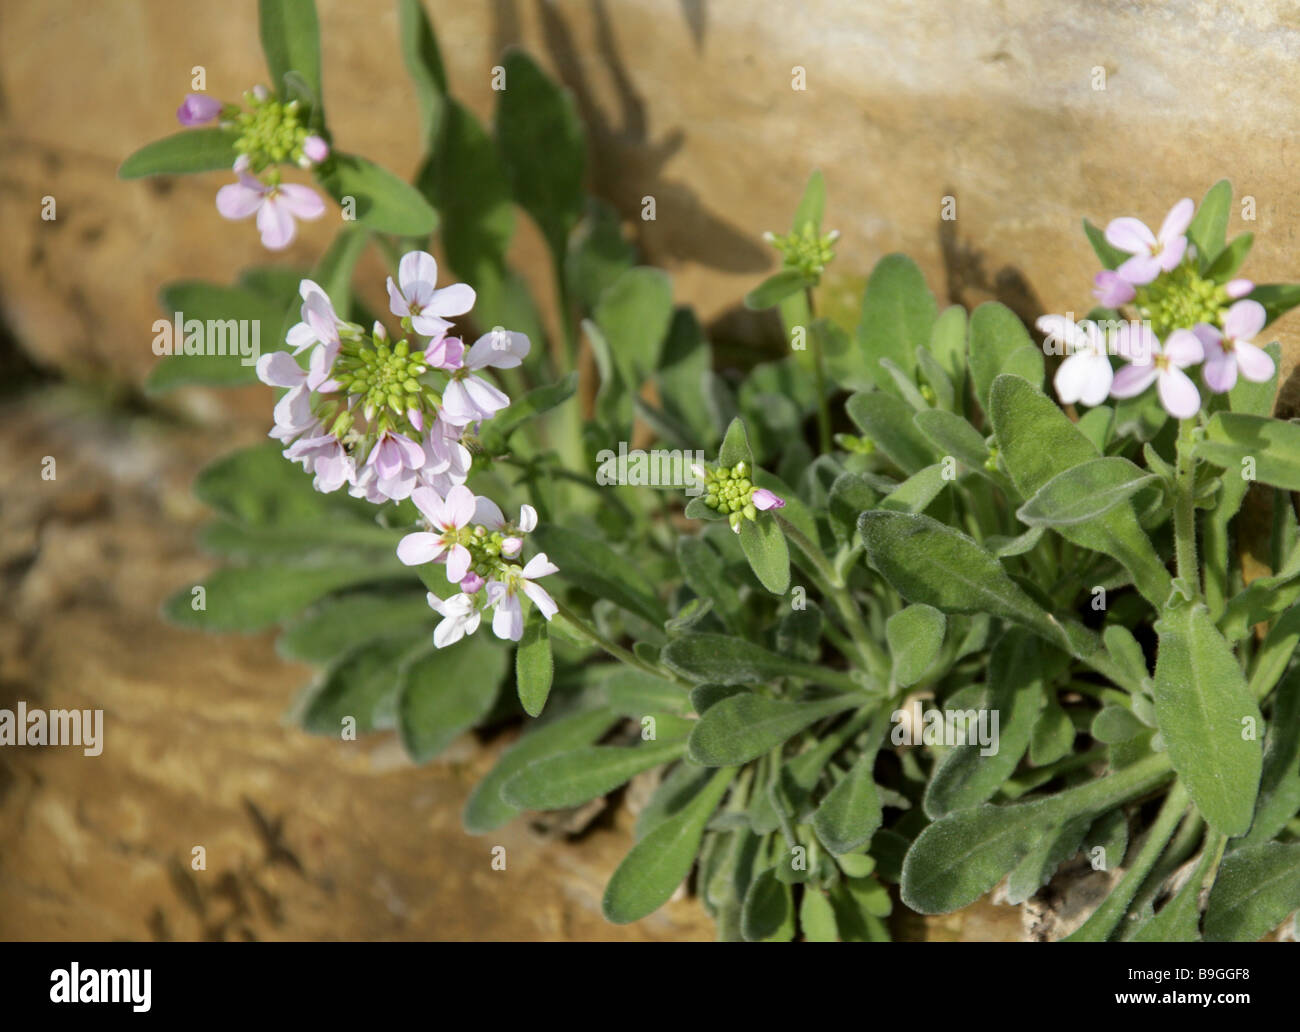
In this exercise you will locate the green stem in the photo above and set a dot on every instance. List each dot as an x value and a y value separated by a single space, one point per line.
1185 510
819 375
613 648
1106 918
871 654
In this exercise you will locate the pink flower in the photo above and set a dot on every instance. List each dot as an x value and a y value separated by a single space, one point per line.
460 616
472 583
397 461
508 620
418 298
1152 253
1231 351
324 456
1149 362
293 412
469 398
763 499
445 353
315 149
1238 288
1085 374
446 460
1111 289
197 109
276 207
320 324
447 517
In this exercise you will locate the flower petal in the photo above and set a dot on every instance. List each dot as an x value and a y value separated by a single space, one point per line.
275 223
1132 380
539 566
1244 320
429 502
418 272
1176 222
455 299
1178 394
419 548
1255 363
458 563
503 349
239 200
1184 348
280 370
1140 269
302 201
488 513
544 603
1220 372
1130 235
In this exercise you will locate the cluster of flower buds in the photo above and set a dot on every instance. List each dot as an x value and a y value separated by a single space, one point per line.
804 251
731 493
388 418
270 133
1182 320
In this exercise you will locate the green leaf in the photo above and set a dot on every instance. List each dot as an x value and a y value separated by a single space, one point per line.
1179 920
898 314
634 314
1209 227
1274 445
915 636
964 854
424 64
635 693
768 911
534 667
917 492
593 566
744 727
812 205
496 433
775 289
379 199
658 863
291 41
1110 257
998 343
1225 266
735 446
485 810
888 421
598 254
576 777
722 659
970 774
1279 783
338 625
948 345
769 557
952 435
446 692
362 687
705 573
540 138
238 598
850 814
1084 492
1037 442
257 486
221 310
1256 889
1277 299
817 917
930 563
1204 712
193 150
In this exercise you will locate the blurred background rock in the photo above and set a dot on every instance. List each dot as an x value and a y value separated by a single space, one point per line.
688 101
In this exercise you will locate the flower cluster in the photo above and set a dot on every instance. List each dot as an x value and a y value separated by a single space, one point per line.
270 133
1182 320
481 552
733 494
804 251
389 417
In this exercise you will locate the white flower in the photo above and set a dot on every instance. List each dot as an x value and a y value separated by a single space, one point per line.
460 616
508 620
418 298
1086 374
469 398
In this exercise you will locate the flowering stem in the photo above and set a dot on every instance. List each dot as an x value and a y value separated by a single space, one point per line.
819 375
615 650
1185 510
871 654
